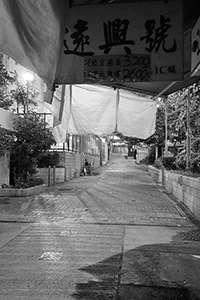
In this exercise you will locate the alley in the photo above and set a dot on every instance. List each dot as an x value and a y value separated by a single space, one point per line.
97 237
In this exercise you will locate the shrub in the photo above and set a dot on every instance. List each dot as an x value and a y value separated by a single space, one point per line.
169 163
7 140
145 161
158 163
33 138
48 159
149 160
195 165
33 181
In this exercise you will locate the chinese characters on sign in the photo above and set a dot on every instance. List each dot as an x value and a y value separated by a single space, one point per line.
79 40
117 68
158 36
104 43
115 35
120 68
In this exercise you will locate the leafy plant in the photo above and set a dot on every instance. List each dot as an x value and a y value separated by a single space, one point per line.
178 126
20 96
169 163
158 138
149 160
48 159
33 138
33 181
6 78
7 140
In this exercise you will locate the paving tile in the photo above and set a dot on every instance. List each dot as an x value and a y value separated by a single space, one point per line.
90 237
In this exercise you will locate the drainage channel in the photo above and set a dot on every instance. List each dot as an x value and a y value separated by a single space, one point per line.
139 224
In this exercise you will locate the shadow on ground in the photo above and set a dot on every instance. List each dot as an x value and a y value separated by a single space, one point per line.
157 271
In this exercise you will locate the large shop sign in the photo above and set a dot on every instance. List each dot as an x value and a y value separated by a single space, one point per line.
141 41
196 49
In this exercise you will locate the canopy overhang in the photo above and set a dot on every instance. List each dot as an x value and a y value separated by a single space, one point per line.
158 89
101 110
24 28
34 33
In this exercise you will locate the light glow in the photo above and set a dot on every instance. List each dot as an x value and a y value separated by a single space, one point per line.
27 76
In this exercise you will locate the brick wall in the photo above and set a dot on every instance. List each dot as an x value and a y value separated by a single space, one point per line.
72 164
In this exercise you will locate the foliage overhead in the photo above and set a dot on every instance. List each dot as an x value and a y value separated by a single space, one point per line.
6 79
158 138
32 137
179 110
7 140
21 97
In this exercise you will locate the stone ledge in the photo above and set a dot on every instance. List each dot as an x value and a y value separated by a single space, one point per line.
23 192
155 173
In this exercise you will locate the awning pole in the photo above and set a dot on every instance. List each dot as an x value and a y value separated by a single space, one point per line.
117 108
164 90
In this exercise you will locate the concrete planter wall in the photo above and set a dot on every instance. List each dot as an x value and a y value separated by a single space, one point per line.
155 173
185 189
72 163
51 176
141 154
23 192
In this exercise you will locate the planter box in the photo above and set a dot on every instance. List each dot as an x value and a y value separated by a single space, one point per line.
49 177
155 173
185 189
23 192
141 154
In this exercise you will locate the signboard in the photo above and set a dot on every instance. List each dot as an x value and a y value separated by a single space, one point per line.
195 68
117 68
147 31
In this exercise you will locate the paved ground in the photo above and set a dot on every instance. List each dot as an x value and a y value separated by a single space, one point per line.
113 235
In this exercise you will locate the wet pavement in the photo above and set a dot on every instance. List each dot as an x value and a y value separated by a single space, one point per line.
113 235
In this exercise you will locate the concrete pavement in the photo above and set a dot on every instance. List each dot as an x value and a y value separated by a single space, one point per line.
115 235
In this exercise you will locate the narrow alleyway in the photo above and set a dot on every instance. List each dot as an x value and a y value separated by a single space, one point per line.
113 235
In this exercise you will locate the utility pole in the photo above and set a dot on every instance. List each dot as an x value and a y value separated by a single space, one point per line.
166 131
188 146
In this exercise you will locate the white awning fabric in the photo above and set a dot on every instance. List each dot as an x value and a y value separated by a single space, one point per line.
32 33
100 110
136 115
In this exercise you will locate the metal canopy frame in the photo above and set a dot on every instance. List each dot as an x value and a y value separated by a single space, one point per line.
158 89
